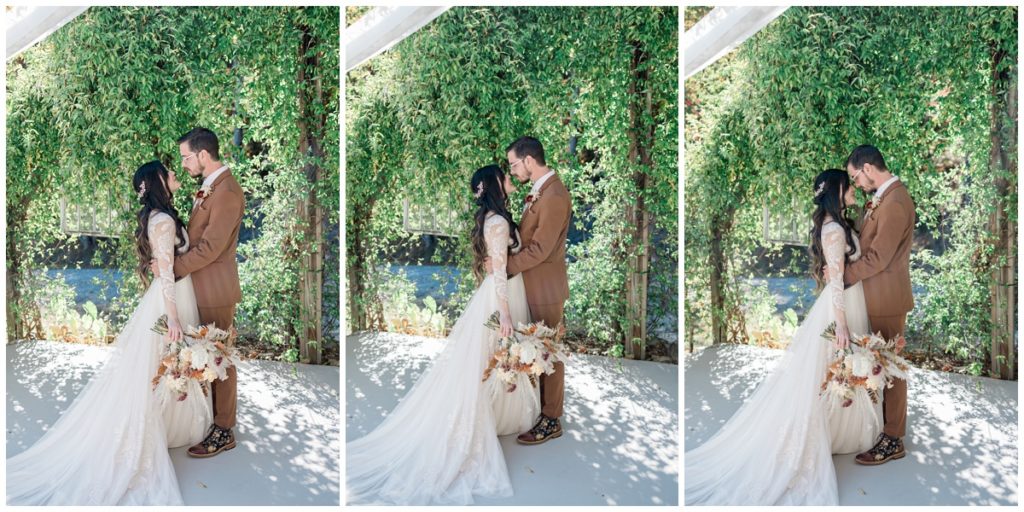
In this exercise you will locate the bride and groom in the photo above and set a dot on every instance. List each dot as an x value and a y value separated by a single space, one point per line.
440 444
110 446
777 448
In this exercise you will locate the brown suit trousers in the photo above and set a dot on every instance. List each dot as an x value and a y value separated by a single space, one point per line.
225 392
894 399
552 387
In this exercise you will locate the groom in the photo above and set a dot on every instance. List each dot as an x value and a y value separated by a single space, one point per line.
886 238
544 226
213 229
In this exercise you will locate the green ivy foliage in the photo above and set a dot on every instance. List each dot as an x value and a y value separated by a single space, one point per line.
797 97
115 88
447 100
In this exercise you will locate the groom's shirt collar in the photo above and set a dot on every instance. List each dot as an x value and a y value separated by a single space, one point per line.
885 186
540 183
208 181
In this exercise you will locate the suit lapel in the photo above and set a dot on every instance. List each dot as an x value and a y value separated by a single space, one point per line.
870 224
216 183
528 222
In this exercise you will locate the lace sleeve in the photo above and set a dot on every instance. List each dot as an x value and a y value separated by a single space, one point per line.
833 245
162 240
496 237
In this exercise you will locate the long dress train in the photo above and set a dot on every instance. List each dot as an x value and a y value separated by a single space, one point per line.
110 446
777 448
440 443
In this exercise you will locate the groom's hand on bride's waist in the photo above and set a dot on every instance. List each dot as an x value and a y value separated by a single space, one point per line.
153 267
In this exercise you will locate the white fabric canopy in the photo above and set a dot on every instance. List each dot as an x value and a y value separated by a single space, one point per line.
382 28
720 32
27 26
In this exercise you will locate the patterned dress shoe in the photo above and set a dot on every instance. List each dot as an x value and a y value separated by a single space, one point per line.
545 429
218 440
886 448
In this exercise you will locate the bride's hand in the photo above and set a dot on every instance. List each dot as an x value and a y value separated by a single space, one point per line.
155 269
173 330
505 320
842 337
487 265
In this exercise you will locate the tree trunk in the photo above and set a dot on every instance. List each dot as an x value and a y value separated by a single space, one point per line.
1003 159
717 263
357 268
17 326
310 211
638 256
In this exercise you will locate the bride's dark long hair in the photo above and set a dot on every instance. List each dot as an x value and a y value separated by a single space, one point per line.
829 189
149 185
488 187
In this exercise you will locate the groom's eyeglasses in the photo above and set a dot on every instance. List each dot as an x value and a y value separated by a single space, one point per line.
854 177
186 157
513 164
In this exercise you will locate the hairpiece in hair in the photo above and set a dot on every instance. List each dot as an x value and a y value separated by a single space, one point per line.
142 190
820 190
479 190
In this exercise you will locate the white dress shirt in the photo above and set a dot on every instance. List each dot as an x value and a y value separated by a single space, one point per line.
540 183
885 186
208 181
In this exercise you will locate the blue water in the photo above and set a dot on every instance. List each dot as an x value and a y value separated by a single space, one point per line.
423 276
88 284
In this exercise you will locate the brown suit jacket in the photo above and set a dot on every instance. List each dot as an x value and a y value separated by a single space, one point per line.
213 231
884 266
543 230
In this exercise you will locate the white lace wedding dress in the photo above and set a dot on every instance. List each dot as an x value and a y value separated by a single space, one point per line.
777 449
440 444
110 446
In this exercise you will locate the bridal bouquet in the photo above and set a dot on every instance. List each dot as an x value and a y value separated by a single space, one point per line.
201 355
532 349
870 362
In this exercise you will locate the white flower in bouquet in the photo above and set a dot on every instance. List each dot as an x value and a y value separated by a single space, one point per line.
527 352
209 375
861 363
201 357
178 384
536 368
185 356
876 380
543 331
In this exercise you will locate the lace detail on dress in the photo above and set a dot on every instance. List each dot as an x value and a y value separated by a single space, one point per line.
162 238
833 245
496 236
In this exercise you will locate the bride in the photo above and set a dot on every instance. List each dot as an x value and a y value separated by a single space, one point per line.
110 446
440 444
777 449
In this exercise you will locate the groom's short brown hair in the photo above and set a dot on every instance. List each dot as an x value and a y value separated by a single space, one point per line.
201 139
866 154
528 146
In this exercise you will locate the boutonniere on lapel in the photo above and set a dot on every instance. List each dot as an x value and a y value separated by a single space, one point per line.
869 208
203 193
531 198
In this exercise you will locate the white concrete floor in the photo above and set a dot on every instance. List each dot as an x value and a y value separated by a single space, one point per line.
288 425
621 423
962 431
